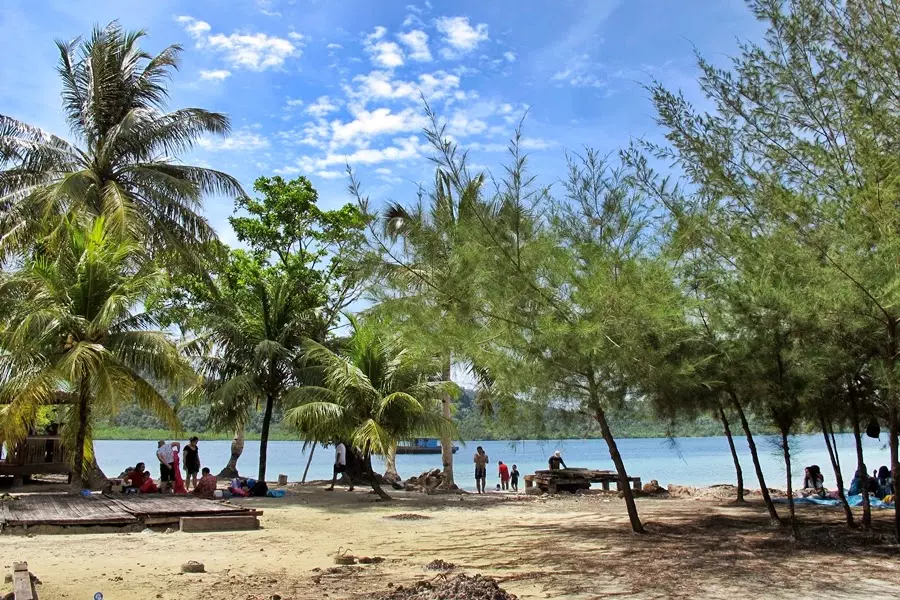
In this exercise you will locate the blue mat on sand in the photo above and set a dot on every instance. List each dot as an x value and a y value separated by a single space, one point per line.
851 500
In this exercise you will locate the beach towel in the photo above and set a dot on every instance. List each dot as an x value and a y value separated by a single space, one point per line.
854 501
276 493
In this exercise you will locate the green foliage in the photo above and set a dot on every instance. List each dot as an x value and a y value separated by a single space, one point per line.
74 327
123 165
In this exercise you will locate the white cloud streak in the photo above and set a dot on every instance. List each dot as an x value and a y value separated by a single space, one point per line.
460 36
251 51
242 140
215 75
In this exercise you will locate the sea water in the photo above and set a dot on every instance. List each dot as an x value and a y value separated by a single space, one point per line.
683 461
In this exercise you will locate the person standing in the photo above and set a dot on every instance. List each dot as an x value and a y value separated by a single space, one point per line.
504 475
514 478
191 462
556 460
165 452
340 466
481 462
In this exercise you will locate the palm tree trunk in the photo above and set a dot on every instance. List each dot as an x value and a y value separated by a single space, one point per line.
80 478
446 439
237 448
390 465
836 465
770 505
785 448
372 476
264 436
309 461
734 455
860 460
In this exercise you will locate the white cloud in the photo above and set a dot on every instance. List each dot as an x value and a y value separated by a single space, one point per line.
462 124
369 124
330 174
417 43
295 36
322 106
414 9
215 75
333 46
252 51
293 102
383 53
380 85
194 27
383 171
402 149
578 73
460 35
265 7
242 140
509 56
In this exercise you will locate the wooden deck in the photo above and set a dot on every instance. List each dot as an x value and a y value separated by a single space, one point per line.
65 510
574 479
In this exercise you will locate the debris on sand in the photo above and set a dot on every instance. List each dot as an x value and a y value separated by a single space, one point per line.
439 565
430 482
461 587
192 566
654 489
371 560
408 517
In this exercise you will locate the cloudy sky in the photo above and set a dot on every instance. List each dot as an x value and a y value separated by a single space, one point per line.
313 85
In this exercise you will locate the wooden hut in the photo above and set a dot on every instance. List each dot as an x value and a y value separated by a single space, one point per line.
38 454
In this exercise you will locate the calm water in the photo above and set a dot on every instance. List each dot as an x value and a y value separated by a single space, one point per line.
690 461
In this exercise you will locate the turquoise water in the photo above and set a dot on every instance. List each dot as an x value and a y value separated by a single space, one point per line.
687 461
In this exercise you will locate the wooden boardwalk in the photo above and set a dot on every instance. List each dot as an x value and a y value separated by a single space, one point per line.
65 510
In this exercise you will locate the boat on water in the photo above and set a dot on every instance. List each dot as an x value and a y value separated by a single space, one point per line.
422 446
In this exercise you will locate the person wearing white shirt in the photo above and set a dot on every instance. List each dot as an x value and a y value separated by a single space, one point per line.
166 455
340 466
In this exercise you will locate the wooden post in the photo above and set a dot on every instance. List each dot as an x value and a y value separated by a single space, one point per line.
282 479
637 483
23 588
605 484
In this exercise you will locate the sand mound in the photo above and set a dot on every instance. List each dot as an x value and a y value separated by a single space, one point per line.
461 587
408 517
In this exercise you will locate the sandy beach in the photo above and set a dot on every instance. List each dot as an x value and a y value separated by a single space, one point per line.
575 547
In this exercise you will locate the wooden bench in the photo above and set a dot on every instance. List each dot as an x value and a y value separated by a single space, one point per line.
572 480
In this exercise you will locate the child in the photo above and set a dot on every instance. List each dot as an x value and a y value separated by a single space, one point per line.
514 478
504 475
148 487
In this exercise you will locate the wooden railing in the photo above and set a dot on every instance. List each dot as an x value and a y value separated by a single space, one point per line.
34 455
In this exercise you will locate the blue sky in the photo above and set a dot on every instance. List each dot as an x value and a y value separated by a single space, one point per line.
312 85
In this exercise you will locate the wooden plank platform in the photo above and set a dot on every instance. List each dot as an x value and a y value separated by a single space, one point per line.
219 523
61 509
158 505
574 479
65 510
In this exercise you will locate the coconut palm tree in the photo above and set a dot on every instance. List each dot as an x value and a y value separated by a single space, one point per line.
73 323
120 162
247 353
373 395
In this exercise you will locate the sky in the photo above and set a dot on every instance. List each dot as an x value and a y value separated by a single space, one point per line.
314 85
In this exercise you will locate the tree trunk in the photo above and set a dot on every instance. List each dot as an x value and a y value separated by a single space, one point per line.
895 469
98 479
309 462
80 478
836 465
390 466
734 455
237 448
785 448
376 485
624 484
770 506
264 436
446 439
860 462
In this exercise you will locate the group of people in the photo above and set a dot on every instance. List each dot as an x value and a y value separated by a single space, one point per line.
879 485
204 483
509 479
